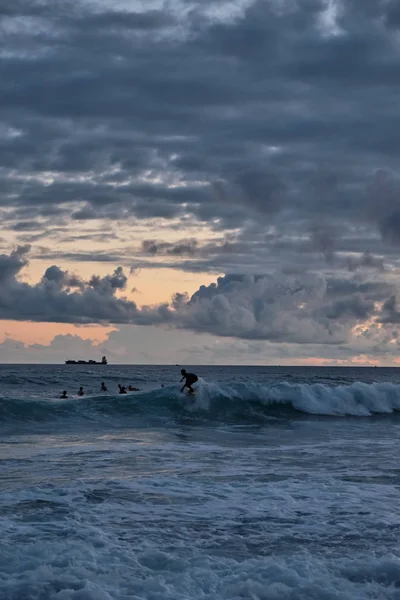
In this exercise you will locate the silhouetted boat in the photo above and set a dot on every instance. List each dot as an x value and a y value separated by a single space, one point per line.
87 362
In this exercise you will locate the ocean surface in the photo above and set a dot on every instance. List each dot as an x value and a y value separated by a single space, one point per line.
270 483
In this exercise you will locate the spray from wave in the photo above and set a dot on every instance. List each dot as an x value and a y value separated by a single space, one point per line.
239 403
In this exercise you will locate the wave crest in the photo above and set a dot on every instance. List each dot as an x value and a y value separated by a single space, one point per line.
213 402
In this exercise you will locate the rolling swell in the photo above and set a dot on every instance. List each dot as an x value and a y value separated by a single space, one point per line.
239 403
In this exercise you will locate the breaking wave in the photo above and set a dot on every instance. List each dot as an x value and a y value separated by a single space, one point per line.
212 403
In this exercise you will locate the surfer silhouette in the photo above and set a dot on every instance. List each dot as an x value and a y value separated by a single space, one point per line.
80 391
103 387
190 379
64 394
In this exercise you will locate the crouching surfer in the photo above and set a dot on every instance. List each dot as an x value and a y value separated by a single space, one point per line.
190 379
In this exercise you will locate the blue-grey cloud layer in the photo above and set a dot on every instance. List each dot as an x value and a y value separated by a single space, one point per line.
276 125
285 307
265 115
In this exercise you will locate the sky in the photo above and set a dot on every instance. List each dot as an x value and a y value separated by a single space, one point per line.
200 181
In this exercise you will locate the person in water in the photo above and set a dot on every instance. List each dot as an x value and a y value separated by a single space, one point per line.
133 389
190 379
81 392
64 394
122 389
103 387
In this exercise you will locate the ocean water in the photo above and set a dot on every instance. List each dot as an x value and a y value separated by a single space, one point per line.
270 484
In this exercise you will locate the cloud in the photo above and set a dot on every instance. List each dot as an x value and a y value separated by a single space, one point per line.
135 345
62 297
60 279
284 307
366 261
392 16
262 138
184 247
323 238
303 308
255 189
11 265
128 345
384 198
112 113
58 350
390 311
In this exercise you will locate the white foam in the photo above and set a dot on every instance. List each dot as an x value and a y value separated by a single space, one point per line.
308 510
358 399
170 520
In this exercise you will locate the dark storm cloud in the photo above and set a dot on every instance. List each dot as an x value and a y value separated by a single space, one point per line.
390 227
393 14
91 91
253 188
25 226
390 311
63 297
384 205
366 261
248 251
184 247
323 237
302 308
284 307
270 123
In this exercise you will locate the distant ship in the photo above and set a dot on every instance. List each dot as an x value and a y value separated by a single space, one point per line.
87 362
